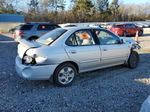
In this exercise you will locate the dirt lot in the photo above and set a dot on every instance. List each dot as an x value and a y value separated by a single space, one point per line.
115 89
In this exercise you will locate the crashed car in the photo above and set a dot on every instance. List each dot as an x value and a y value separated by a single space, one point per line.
65 52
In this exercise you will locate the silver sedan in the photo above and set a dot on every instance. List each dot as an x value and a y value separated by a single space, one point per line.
64 52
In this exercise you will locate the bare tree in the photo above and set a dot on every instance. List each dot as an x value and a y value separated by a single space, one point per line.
115 9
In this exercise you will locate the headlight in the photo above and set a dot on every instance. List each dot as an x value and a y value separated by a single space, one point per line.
28 60
136 46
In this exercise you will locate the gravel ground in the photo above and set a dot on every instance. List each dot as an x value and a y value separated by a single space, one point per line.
115 89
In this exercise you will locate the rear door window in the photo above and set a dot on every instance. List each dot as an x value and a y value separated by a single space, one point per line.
128 26
46 27
81 38
26 27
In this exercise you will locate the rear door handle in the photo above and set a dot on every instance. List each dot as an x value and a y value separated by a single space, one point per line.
105 49
73 52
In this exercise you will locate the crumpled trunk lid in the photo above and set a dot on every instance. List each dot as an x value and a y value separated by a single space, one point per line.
24 45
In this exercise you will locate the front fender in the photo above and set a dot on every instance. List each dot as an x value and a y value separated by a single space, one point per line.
134 45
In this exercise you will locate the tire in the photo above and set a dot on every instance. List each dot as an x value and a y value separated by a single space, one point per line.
65 74
140 33
133 60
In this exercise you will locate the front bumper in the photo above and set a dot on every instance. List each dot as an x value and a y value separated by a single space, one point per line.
41 72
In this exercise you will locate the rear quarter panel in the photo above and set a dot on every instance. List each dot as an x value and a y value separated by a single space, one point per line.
54 55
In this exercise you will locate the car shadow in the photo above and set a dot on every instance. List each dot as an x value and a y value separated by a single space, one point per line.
145 35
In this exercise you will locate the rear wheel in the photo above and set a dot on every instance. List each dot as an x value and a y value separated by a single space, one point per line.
133 60
65 74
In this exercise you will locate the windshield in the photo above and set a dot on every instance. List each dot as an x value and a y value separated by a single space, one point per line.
51 36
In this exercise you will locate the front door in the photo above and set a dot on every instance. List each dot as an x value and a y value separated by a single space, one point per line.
112 51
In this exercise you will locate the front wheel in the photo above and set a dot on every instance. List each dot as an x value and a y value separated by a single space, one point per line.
65 74
133 60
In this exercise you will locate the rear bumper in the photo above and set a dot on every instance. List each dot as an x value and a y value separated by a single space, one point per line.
42 72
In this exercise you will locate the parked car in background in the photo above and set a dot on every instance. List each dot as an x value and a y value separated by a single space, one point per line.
143 25
64 52
33 30
95 25
126 29
67 25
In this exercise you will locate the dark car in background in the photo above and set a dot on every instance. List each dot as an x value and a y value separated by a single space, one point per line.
126 29
32 31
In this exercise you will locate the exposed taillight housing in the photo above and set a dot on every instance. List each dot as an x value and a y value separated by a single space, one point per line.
20 33
17 34
28 60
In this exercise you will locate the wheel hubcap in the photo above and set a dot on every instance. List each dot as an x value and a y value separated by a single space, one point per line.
66 75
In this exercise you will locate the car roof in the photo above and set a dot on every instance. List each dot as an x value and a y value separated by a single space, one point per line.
32 23
80 28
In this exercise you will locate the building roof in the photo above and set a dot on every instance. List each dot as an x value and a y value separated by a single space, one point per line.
16 18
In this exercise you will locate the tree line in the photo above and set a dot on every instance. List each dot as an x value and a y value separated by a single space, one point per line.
78 11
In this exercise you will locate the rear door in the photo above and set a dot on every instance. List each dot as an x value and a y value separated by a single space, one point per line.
112 51
82 48
44 28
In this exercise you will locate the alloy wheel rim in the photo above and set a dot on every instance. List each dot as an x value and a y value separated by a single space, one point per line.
66 75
